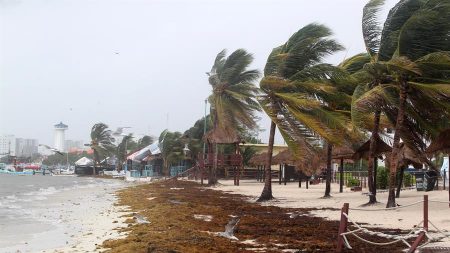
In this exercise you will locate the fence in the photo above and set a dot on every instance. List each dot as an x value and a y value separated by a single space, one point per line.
420 232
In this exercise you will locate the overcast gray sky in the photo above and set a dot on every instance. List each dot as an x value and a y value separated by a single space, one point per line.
132 63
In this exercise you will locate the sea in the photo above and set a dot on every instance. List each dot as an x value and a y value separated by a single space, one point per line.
43 212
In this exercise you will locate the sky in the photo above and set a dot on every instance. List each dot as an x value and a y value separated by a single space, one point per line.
140 63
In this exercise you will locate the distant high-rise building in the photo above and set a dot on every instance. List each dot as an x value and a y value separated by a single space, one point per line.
7 145
26 147
59 136
73 146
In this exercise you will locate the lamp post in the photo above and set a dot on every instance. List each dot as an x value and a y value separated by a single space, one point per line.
204 129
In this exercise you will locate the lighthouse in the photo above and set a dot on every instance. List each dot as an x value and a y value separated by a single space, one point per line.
59 136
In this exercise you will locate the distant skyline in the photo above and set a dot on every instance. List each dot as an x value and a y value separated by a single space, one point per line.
140 63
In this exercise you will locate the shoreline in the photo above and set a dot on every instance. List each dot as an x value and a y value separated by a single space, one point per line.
66 218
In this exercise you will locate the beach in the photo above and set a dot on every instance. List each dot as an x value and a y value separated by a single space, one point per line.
58 214
291 196
183 216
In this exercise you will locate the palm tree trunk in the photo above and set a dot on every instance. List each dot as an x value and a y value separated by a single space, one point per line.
267 190
396 144
372 156
328 174
212 179
400 182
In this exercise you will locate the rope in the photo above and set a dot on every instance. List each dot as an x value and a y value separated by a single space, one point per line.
397 238
386 209
439 201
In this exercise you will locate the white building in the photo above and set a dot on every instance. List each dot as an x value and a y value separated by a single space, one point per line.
60 136
7 145
26 147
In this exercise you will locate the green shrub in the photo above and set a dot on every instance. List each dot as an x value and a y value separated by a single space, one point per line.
382 178
353 182
407 179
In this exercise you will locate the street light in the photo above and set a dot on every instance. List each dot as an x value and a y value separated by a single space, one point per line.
204 130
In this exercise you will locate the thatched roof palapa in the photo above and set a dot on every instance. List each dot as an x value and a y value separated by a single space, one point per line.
363 151
343 152
260 159
441 143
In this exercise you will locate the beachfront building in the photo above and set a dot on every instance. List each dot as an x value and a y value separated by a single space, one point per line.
7 145
59 143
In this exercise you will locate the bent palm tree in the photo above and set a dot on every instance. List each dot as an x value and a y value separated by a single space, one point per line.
416 91
285 64
101 142
232 100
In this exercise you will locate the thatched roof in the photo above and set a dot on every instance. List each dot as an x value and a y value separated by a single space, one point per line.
407 157
259 159
441 143
284 156
343 152
363 151
222 136
308 165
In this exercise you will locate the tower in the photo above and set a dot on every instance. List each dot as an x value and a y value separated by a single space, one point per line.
59 136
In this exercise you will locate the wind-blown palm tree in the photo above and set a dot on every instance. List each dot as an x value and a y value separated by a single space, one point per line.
232 100
415 95
121 150
101 143
283 102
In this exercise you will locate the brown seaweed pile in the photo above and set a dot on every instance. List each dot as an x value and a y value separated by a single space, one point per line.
186 217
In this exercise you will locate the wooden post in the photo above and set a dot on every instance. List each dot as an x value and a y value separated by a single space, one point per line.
279 176
342 228
341 176
284 174
307 182
299 180
425 226
445 176
234 176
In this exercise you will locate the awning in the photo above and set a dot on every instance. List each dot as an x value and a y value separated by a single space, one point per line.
84 161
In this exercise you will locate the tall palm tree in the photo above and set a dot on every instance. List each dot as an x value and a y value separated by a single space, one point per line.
286 64
232 100
415 92
101 143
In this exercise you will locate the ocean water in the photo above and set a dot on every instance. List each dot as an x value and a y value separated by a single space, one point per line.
36 212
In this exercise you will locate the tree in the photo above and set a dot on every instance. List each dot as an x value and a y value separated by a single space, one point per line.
122 150
415 94
171 146
281 99
101 143
232 100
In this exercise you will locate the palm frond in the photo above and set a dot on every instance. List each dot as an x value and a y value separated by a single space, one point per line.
371 27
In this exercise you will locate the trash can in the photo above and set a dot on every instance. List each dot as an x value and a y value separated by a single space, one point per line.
420 184
430 180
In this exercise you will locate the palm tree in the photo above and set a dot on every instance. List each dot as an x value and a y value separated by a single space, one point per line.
286 64
232 100
415 92
101 143
121 150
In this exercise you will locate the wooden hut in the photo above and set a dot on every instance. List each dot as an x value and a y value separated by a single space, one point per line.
213 162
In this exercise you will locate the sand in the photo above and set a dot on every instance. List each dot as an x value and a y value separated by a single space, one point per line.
78 220
406 218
